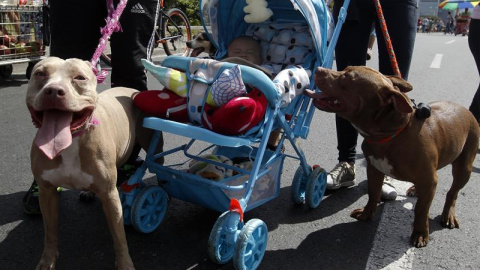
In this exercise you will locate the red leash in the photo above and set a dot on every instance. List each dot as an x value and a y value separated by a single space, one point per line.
388 41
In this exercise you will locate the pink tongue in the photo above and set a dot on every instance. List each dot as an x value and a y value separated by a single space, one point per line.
54 135
196 52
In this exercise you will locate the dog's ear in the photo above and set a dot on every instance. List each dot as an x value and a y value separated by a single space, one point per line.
402 85
400 101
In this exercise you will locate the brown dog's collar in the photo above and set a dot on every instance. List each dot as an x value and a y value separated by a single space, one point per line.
387 139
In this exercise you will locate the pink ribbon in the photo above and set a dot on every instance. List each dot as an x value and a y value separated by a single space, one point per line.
113 25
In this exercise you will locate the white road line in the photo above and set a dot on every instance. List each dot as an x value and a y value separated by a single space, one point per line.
437 61
391 247
450 42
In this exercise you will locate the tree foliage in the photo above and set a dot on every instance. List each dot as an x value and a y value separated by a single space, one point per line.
190 7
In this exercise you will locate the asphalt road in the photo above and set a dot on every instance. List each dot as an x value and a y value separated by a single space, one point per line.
299 238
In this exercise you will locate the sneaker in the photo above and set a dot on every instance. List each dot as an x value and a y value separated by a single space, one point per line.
128 169
343 175
31 205
388 190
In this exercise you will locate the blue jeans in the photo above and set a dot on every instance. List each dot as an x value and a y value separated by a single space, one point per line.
351 49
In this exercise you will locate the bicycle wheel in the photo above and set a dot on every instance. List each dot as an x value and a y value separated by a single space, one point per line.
175 33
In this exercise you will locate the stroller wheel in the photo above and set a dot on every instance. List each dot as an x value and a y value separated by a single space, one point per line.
251 245
149 209
316 186
299 185
221 243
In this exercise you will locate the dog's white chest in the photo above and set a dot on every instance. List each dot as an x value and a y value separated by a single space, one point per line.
381 165
69 174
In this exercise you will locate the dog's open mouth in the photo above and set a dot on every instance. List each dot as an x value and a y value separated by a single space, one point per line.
327 103
55 128
197 51
79 119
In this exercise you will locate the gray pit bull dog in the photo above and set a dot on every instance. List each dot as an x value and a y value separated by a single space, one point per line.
82 137
397 143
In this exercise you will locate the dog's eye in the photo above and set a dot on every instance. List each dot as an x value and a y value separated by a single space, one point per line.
347 75
80 78
40 74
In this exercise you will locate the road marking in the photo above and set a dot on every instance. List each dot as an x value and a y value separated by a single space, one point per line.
391 246
450 42
437 61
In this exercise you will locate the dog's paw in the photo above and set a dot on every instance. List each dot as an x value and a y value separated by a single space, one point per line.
419 239
48 260
412 191
449 220
45 266
86 196
361 214
125 264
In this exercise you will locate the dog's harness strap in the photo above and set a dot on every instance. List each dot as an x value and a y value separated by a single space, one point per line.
113 25
388 41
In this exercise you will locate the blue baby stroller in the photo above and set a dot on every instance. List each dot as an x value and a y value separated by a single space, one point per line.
144 206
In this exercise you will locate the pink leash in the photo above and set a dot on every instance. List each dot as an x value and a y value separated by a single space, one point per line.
113 25
388 41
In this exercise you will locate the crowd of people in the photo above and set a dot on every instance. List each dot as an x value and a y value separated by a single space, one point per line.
451 24
430 25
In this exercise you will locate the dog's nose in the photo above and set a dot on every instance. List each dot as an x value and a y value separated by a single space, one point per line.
55 91
319 70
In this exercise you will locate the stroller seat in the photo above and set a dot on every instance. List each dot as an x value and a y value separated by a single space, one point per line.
198 82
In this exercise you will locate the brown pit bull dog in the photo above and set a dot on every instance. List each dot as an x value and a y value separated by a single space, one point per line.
397 143
82 137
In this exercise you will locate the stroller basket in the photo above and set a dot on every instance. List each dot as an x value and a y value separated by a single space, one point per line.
217 195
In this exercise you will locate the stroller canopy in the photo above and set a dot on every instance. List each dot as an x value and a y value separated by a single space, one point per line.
223 20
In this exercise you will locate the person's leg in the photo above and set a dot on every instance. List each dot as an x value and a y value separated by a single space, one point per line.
474 45
128 48
371 42
75 27
350 50
130 45
401 18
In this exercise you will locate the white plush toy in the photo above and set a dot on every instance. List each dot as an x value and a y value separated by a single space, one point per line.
291 82
257 11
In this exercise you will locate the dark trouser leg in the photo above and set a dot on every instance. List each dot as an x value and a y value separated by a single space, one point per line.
130 45
351 50
72 35
402 28
474 45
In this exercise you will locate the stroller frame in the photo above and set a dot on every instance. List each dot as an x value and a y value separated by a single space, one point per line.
144 206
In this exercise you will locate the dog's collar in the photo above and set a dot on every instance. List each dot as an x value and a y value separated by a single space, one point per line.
92 122
388 138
